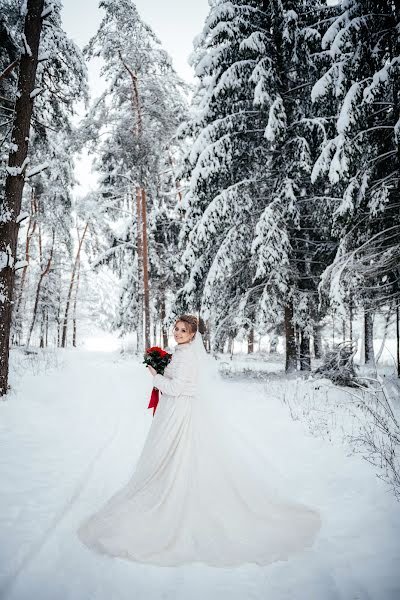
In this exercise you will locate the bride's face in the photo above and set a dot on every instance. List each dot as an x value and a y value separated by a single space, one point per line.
182 333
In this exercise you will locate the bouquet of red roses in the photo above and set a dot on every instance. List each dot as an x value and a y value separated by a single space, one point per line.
158 359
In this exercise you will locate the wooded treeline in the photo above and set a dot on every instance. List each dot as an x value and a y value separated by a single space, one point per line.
268 202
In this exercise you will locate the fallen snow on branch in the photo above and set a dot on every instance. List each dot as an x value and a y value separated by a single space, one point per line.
28 50
37 169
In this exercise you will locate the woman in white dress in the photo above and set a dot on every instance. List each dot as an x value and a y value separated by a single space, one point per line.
196 494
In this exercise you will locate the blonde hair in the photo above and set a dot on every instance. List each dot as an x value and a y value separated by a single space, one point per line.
195 324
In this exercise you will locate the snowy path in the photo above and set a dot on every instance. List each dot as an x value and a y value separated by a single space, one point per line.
69 439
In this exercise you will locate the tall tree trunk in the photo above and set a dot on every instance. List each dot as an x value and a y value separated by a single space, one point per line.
14 184
30 231
139 246
297 342
385 332
39 285
317 341
46 332
42 327
145 273
250 341
155 333
290 340
351 320
162 319
74 308
305 354
71 285
369 357
143 298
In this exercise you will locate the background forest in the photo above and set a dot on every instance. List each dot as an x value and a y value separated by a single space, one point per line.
265 198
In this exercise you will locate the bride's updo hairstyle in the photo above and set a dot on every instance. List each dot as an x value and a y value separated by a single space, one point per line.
194 323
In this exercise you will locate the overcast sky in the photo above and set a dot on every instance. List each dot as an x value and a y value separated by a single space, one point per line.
175 22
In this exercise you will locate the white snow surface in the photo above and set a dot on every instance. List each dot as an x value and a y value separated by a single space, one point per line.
71 431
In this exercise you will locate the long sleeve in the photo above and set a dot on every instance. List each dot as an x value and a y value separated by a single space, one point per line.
178 377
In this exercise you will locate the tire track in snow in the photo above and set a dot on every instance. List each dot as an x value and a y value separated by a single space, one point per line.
12 578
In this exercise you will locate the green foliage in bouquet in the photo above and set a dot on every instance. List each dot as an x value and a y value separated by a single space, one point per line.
157 358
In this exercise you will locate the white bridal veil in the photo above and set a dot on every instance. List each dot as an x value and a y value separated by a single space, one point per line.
220 417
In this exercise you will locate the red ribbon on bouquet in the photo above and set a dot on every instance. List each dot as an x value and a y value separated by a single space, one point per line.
158 359
155 395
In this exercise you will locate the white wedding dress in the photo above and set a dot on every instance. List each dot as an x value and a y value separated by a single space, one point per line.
198 493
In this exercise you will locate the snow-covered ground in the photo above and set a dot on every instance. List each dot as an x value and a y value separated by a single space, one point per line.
71 431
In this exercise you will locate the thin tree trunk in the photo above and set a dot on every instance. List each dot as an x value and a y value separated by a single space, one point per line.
305 355
317 342
46 334
42 327
139 245
155 332
39 285
74 309
290 340
15 179
369 358
385 331
351 321
29 235
162 319
145 272
250 341
297 342
71 284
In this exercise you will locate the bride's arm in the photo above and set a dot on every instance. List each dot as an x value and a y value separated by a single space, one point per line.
175 385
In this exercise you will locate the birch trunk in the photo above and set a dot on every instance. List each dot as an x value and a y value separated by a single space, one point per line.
39 285
71 285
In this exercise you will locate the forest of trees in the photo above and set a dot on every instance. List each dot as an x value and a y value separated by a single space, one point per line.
265 200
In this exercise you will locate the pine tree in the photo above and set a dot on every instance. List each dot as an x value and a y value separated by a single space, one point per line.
362 157
137 118
224 167
257 239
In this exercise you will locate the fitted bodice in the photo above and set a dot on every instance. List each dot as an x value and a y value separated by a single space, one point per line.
180 375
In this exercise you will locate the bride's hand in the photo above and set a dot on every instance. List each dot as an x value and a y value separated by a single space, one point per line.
152 370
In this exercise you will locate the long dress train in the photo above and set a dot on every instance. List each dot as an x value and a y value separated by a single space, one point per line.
192 498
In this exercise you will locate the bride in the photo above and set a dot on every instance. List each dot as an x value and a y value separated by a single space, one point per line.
196 494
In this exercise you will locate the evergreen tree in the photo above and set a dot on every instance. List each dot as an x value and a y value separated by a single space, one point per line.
137 117
361 159
257 238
